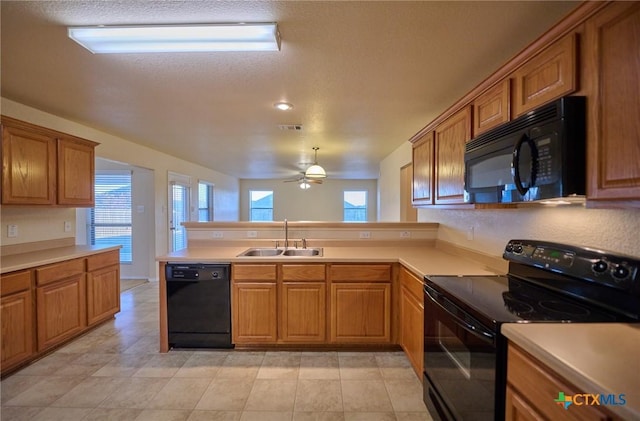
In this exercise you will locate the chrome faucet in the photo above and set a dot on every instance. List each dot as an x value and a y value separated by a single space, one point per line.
286 234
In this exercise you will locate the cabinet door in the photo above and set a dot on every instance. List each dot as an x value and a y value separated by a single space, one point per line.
412 319
75 173
61 310
361 312
547 76
518 409
613 132
103 294
28 167
423 167
254 312
16 315
450 139
303 312
492 108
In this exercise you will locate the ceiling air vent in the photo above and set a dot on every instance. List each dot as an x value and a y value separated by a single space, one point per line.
290 127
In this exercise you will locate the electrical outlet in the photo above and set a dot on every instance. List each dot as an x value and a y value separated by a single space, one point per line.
470 233
405 234
365 234
67 226
252 234
12 230
218 234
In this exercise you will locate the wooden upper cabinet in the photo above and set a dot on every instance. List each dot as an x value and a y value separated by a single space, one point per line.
76 173
28 167
44 167
492 108
612 45
450 139
423 167
547 76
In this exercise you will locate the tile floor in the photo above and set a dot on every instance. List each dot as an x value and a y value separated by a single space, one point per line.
116 373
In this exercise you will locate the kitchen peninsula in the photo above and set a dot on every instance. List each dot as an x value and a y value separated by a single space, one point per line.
363 291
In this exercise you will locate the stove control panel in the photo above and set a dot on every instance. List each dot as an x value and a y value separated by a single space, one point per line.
602 267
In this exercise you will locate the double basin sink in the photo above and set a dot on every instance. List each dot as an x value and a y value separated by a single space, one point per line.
269 252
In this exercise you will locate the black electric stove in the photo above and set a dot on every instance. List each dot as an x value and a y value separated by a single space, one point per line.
465 354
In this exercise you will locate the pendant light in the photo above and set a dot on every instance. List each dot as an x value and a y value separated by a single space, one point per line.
315 171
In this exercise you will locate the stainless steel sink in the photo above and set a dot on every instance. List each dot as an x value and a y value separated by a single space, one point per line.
261 252
270 252
303 252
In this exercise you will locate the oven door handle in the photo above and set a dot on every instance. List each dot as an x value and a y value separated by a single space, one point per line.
472 327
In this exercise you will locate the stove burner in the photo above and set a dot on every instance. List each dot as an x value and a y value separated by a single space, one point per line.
564 308
516 306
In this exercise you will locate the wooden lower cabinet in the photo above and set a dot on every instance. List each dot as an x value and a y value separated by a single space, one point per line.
61 310
532 388
47 305
254 313
254 304
361 312
103 294
412 319
16 317
103 286
303 312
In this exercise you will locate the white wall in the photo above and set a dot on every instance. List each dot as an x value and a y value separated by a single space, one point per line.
121 150
36 224
319 203
389 183
609 229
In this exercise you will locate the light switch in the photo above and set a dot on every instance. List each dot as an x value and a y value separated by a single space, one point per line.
67 226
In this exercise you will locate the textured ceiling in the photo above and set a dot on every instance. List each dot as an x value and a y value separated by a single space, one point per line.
363 76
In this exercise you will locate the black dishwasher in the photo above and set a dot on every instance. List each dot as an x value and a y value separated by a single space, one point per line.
198 305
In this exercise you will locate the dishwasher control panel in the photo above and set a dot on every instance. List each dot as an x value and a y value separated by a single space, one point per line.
201 272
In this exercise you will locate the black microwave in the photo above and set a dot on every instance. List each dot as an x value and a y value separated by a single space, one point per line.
538 156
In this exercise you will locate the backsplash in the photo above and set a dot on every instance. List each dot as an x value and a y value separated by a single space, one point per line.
37 224
608 229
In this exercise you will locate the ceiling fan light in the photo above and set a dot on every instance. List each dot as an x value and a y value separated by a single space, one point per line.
315 171
304 185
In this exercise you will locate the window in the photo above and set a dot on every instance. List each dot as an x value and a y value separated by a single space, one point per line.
355 206
261 205
205 202
110 218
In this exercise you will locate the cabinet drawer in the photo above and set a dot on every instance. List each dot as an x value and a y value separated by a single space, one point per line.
15 282
254 272
101 260
303 272
56 272
537 385
364 273
412 283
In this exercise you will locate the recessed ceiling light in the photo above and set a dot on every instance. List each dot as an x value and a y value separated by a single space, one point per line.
178 38
283 106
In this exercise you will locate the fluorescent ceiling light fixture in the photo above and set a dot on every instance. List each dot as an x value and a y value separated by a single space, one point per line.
178 38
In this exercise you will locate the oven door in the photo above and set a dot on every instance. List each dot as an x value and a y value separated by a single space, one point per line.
459 361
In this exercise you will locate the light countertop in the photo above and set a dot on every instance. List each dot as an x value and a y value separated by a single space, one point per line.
595 357
48 256
420 260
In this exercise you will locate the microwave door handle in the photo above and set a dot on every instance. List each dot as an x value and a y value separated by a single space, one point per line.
515 163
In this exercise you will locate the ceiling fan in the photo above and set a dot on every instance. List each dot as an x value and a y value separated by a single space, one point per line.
313 175
304 181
